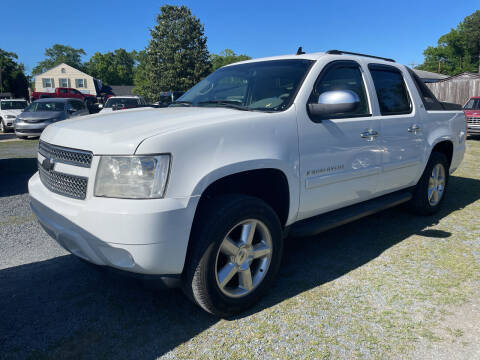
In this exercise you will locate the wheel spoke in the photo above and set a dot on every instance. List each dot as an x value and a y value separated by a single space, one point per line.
260 250
430 194
248 230
226 274
245 278
228 247
435 196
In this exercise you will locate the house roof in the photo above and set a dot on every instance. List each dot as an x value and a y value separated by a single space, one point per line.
422 74
65 66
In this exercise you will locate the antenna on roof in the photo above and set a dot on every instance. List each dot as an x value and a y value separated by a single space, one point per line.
300 51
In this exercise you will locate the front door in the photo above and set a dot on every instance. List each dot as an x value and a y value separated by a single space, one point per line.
340 158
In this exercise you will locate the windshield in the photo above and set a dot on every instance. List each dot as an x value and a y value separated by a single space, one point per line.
45 106
123 102
13 105
472 104
264 86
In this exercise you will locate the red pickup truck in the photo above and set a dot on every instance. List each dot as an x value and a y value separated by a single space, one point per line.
63 93
472 113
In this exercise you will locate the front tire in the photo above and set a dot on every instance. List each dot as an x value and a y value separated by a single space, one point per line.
429 192
236 249
2 127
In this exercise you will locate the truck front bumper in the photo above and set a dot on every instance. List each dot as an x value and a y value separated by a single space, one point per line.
140 236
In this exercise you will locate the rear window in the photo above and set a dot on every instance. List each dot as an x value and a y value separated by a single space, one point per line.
391 90
122 102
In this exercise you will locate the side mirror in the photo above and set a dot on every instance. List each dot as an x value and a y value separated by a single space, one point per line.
335 102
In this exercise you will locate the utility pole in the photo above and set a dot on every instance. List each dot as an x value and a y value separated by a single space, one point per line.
1 83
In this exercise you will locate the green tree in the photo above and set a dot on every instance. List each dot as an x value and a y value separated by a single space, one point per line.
457 51
113 68
176 57
12 76
226 57
58 54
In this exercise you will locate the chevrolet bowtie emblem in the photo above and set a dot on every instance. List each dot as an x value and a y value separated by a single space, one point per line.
48 164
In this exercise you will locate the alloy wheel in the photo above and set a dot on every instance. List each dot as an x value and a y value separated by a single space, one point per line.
436 184
243 258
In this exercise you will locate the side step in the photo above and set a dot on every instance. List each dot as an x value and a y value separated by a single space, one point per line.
327 221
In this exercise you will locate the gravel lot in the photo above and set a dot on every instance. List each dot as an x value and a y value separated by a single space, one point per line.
388 286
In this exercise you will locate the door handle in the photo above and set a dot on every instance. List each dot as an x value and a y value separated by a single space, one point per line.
414 128
370 135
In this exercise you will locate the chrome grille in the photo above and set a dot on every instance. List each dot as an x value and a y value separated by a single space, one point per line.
65 155
473 121
63 184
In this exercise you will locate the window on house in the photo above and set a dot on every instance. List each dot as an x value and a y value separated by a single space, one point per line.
80 83
63 71
63 82
47 83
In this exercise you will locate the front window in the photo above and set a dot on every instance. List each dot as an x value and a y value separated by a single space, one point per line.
122 102
13 105
472 104
45 106
63 82
263 86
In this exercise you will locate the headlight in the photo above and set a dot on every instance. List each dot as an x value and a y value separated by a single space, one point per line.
132 177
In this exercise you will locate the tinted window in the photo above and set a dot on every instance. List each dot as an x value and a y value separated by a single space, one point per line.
45 106
262 85
343 76
472 104
391 90
429 100
62 91
12 105
77 105
122 102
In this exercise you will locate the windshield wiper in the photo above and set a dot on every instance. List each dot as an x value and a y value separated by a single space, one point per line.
225 103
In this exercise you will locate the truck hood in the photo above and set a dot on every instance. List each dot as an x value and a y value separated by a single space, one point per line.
470 113
121 132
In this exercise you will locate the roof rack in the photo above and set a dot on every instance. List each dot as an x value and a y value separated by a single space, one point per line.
341 52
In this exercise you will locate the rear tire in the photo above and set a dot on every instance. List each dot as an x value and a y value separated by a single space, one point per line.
430 190
234 256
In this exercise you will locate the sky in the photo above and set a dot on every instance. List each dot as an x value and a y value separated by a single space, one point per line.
396 29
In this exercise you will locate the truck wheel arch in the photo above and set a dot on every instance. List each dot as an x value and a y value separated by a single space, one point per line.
269 184
444 146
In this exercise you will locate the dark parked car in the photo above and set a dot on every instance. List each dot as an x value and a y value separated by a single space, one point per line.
41 113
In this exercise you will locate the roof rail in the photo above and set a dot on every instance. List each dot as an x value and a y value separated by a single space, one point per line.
341 52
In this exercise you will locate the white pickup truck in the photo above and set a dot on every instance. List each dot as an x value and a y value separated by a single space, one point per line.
206 190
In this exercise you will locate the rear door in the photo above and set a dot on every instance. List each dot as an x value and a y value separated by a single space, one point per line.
339 161
402 139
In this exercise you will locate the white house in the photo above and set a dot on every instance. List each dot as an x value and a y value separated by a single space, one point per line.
64 75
